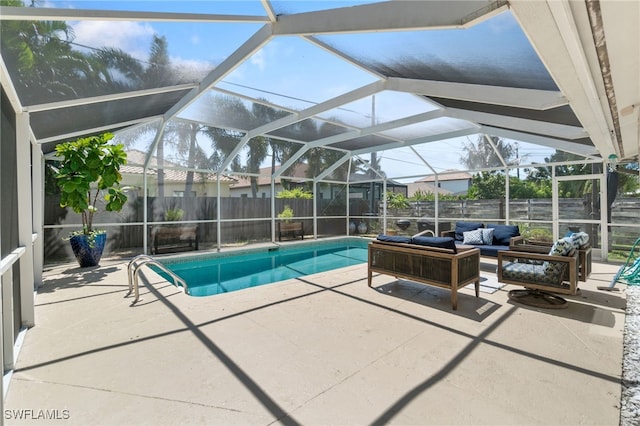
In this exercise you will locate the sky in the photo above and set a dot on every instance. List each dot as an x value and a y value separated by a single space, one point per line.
286 65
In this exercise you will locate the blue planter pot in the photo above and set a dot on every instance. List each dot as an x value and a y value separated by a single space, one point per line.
86 255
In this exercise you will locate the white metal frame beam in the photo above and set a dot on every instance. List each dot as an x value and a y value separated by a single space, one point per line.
562 145
90 130
506 96
523 124
389 16
10 13
417 141
106 98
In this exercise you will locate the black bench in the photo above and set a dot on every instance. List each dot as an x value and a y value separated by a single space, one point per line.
170 238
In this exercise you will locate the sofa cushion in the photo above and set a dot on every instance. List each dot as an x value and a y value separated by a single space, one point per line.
440 242
487 236
394 238
526 272
472 237
491 250
502 233
466 226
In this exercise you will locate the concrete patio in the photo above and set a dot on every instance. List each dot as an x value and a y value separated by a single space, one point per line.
323 349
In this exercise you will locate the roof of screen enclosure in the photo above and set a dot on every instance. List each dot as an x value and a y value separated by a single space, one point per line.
561 74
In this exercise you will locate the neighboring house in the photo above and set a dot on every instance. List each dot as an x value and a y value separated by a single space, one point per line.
242 185
204 184
456 183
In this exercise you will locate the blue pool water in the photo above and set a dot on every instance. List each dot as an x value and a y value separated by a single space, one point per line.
224 272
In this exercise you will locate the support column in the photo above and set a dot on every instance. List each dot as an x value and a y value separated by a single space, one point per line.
37 178
25 220
6 293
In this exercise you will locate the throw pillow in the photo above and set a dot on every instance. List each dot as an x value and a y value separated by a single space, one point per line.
487 236
580 240
462 227
502 233
472 237
562 247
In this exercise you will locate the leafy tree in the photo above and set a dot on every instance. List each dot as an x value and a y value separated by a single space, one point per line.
90 167
486 185
522 189
422 195
628 180
396 200
566 189
490 185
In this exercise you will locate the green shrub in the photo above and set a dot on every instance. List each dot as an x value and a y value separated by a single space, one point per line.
295 193
396 200
286 214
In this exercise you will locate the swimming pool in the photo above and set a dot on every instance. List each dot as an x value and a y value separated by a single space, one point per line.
217 273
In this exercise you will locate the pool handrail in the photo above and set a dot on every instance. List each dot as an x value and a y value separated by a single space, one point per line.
148 260
132 264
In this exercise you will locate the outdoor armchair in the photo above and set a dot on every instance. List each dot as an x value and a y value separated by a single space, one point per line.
541 274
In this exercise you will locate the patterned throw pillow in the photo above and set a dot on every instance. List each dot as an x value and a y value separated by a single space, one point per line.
487 236
562 247
580 240
472 237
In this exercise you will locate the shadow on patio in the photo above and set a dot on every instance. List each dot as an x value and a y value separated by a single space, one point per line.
317 350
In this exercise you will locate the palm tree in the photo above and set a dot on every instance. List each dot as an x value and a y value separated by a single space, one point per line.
481 155
184 135
225 139
258 151
39 56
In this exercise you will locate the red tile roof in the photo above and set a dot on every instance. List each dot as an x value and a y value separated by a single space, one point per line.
135 161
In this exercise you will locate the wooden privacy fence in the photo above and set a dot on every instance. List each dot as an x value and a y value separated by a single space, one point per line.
248 219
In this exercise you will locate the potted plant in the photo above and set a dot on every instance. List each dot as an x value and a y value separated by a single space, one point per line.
538 236
286 226
172 215
89 167
286 214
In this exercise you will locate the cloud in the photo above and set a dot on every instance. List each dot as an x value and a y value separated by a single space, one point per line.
191 70
132 37
259 59
195 39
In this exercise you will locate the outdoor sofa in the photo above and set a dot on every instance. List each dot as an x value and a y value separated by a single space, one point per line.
428 260
489 239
